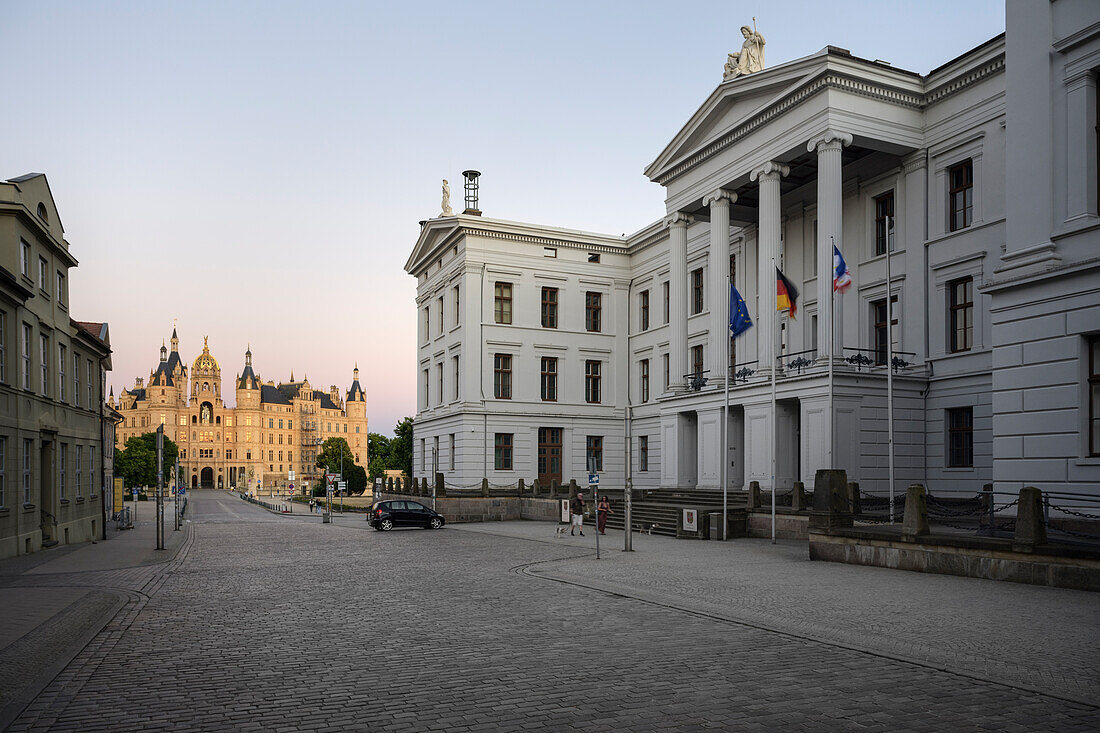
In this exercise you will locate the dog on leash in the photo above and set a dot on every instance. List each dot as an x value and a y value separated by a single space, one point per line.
560 531
647 530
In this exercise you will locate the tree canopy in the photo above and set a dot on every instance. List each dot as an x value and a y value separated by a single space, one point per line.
329 460
391 454
136 463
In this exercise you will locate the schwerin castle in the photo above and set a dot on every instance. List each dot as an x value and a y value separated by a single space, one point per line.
544 351
274 431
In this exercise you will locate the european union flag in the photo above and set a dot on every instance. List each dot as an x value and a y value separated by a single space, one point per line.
739 313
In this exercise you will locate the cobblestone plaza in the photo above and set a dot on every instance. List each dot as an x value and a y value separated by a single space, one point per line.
259 621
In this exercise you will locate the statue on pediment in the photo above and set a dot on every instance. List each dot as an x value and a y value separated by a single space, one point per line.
751 56
447 211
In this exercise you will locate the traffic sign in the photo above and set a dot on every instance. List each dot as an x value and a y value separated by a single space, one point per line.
330 478
593 479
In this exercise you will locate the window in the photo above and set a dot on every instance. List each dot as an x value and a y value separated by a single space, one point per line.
60 289
549 307
878 313
427 389
593 257
549 385
43 268
44 355
427 323
3 471
960 328
643 310
280 424
3 349
439 378
643 452
664 358
592 381
423 451
697 291
77 469
813 333
91 392
667 299
644 368
502 452
502 376
25 353
76 379
697 359
594 453
271 423
592 308
454 387
62 462
549 251
28 449
456 298
440 301
960 437
960 195
502 303
91 473
1094 396
811 255
884 222
25 258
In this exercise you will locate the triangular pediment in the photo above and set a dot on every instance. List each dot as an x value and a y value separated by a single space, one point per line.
431 233
733 103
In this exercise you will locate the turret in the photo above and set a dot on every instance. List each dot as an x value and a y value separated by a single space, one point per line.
175 341
163 352
248 384
357 398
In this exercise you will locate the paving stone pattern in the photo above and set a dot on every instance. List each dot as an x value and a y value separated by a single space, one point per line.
265 623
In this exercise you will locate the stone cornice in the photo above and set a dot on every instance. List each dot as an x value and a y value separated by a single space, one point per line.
914 162
544 241
839 81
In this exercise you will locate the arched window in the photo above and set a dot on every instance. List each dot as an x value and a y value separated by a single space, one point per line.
42 211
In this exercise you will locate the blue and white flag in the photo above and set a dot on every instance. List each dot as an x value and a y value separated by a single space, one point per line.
739 313
841 278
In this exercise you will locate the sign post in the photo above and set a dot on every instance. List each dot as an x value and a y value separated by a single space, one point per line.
160 487
594 486
330 479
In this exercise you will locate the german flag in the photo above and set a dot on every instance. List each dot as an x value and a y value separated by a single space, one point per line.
786 294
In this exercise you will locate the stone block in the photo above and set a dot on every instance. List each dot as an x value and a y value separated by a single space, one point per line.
916 513
1031 527
830 508
854 505
798 496
484 487
754 494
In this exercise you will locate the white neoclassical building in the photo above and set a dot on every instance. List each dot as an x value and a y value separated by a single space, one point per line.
542 348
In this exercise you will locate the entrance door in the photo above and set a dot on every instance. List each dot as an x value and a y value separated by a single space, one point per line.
549 467
207 478
47 496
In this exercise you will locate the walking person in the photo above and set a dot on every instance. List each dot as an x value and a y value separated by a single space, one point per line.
576 511
311 505
602 510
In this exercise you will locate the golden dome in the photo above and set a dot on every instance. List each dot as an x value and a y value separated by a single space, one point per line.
205 362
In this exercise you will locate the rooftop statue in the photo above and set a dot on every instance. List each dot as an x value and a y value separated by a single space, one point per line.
751 56
446 200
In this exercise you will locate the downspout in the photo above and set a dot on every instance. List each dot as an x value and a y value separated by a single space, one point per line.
628 489
102 455
927 341
481 379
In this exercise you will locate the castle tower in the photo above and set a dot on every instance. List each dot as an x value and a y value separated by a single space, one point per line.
356 405
206 377
248 385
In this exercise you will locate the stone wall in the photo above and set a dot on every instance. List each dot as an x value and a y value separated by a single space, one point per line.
487 509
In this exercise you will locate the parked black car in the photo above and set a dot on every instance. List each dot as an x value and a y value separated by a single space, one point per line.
385 515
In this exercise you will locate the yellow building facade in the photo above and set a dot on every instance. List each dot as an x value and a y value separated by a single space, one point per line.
267 443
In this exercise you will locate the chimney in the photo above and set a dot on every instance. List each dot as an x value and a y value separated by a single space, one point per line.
471 186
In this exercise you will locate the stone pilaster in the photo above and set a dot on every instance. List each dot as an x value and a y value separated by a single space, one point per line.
767 333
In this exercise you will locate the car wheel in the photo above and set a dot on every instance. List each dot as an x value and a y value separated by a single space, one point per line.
436 523
386 525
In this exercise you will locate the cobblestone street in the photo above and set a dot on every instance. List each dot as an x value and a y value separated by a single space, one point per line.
268 622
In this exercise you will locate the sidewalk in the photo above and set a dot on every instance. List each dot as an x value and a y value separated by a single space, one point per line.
49 617
1031 637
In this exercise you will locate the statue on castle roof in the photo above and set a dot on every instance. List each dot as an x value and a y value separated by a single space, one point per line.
751 56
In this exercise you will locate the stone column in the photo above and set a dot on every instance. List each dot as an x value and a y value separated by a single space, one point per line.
1081 122
718 265
677 300
767 244
830 231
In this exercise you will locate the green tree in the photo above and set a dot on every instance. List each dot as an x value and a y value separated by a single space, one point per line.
401 447
137 462
329 460
378 451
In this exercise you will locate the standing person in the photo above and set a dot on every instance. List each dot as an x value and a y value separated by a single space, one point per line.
311 506
576 511
602 510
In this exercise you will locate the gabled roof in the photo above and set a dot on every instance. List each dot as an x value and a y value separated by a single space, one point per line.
270 394
326 400
356 393
248 379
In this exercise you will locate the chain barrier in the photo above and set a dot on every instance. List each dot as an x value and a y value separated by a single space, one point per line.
1083 535
1076 514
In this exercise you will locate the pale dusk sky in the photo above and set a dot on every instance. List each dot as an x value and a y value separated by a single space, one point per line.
257 170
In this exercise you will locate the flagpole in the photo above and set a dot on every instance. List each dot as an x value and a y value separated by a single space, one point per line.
775 429
829 351
889 371
726 411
